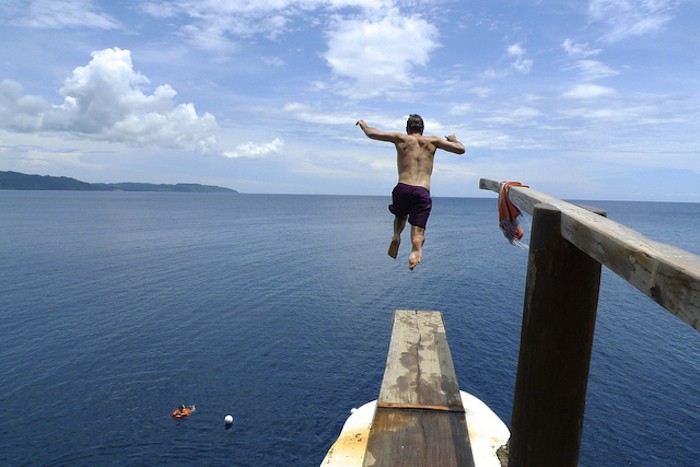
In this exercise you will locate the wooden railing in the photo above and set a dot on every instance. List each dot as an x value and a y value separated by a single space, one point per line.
568 245
668 275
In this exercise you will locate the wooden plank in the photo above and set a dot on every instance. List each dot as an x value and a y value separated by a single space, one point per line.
419 419
668 275
418 438
419 371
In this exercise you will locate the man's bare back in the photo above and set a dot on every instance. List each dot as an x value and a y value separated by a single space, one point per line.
415 154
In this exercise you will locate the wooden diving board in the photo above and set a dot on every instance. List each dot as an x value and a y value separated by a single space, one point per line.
419 420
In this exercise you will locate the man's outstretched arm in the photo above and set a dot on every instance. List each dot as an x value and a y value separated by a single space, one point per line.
374 133
450 143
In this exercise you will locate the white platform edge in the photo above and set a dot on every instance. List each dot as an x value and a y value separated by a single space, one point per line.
487 433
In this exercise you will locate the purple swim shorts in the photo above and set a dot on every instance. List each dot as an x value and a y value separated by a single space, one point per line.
412 201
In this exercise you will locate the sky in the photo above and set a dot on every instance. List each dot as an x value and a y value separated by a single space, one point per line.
596 99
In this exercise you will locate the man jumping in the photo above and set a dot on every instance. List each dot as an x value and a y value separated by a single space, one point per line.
411 197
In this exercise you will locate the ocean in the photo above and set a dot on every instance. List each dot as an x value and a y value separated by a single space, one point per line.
115 308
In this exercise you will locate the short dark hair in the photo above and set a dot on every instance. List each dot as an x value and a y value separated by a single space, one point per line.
414 124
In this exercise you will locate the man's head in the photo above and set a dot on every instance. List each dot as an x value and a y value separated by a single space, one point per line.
414 124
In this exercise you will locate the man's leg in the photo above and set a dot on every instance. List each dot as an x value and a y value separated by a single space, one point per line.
417 240
399 224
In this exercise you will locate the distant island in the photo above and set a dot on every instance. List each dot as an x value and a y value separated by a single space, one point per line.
20 181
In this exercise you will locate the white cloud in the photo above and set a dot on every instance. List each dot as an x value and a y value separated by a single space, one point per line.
630 18
588 91
307 114
481 91
364 4
576 50
55 14
379 55
17 112
514 116
256 151
106 100
208 38
461 109
254 8
515 50
371 45
156 9
215 26
638 117
520 64
588 69
273 61
592 70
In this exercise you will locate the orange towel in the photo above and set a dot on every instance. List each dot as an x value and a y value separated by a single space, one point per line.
508 213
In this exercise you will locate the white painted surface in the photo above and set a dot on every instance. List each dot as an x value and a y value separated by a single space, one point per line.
487 433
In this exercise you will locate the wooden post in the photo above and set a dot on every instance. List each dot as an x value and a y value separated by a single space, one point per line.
561 298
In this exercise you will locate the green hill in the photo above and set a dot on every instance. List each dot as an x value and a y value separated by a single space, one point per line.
20 181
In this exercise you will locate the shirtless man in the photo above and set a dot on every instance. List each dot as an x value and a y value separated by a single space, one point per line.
411 197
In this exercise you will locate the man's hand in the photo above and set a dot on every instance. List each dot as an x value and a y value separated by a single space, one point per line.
361 123
451 138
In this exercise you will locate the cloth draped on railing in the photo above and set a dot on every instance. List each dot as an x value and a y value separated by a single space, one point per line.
509 214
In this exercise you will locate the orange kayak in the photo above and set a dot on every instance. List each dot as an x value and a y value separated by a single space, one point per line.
181 413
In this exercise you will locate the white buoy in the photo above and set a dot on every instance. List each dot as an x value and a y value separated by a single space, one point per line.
228 419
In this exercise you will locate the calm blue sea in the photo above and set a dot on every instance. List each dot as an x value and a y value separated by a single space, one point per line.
117 307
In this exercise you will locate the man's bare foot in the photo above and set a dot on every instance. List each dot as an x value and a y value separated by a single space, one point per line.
414 259
394 248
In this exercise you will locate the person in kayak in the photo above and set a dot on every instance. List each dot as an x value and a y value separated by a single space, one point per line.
181 412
